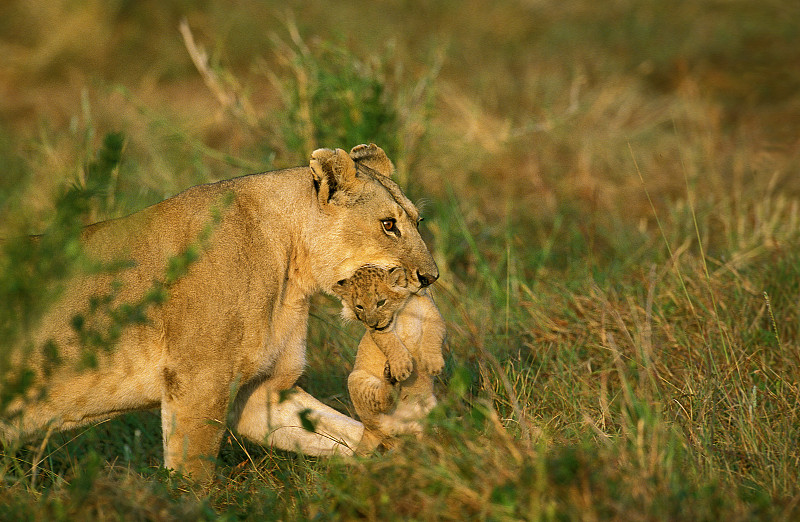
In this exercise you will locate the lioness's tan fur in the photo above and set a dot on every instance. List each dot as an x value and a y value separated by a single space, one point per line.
232 331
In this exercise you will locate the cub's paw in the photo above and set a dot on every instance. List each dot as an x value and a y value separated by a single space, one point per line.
414 428
387 375
431 363
401 366
379 398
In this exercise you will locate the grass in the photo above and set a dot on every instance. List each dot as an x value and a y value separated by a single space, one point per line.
611 194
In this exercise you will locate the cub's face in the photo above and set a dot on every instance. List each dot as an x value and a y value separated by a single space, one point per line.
373 295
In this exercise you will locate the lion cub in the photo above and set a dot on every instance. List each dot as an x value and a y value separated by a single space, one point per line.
391 384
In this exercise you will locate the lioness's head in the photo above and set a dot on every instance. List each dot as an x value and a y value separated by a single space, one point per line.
371 221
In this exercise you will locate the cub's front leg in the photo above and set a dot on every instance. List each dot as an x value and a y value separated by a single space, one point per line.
430 352
433 333
401 364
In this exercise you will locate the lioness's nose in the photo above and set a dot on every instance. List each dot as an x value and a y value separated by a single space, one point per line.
427 279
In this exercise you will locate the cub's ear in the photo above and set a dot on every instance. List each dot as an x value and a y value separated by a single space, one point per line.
340 288
397 277
333 170
373 157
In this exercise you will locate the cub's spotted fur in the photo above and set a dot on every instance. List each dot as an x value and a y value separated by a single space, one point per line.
373 296
391 399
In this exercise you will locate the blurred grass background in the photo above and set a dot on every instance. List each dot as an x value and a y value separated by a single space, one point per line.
611 192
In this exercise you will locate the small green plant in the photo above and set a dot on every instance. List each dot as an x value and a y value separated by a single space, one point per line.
33 269
331 96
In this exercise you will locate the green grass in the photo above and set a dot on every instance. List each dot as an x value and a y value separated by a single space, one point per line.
611 194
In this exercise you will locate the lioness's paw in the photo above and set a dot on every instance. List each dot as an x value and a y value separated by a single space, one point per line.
401 366
431 364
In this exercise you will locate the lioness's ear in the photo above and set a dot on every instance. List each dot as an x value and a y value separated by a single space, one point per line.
332 170
373 157
397 277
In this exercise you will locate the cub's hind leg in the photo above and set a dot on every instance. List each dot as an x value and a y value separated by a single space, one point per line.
371 395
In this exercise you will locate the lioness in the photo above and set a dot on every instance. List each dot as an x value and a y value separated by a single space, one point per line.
231 333
399 323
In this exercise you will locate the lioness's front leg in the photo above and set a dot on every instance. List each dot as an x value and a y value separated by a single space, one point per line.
192 422
267 416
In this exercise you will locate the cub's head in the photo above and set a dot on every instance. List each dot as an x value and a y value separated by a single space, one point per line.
373 295
367 220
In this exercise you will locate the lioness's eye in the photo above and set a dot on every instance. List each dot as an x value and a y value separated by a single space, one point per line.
382 302
388 224
359 307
